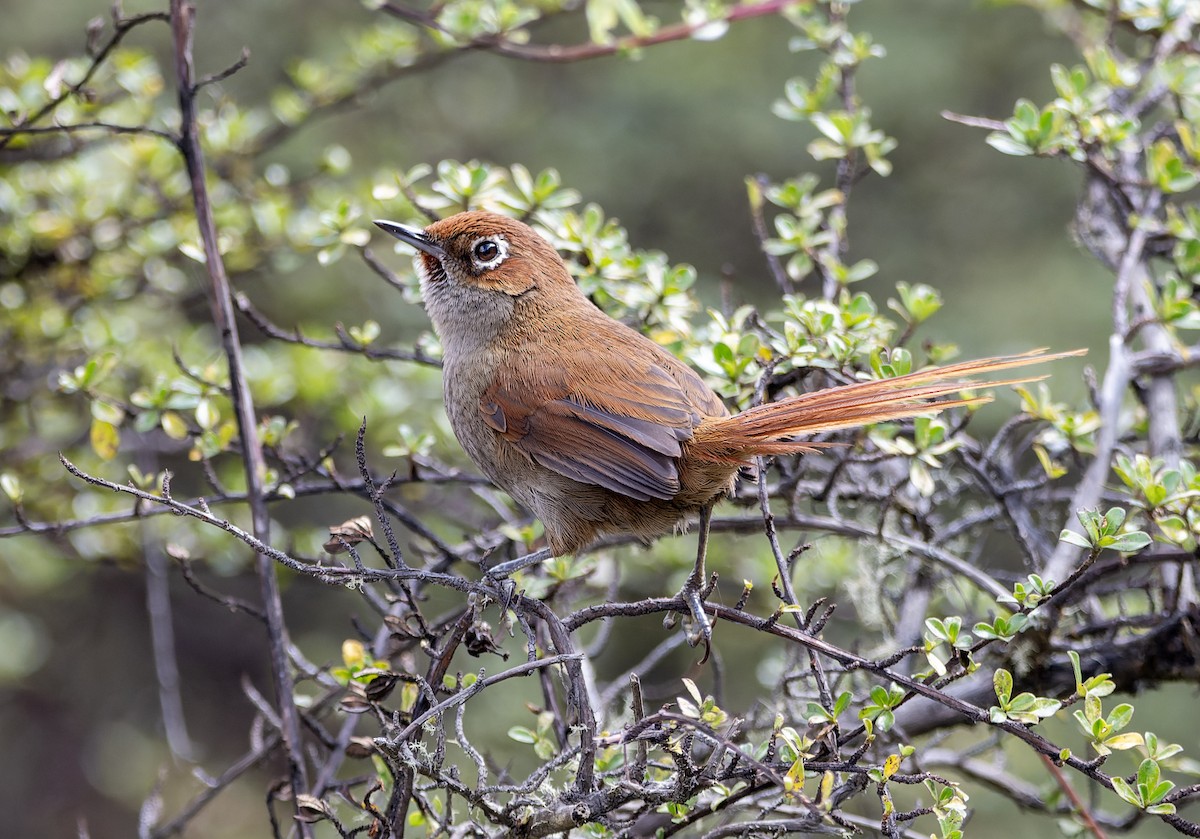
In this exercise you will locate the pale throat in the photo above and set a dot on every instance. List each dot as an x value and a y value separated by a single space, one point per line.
466 319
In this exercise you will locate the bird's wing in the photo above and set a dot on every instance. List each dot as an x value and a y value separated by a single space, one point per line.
621 429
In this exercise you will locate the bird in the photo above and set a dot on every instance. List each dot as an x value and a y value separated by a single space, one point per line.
592 426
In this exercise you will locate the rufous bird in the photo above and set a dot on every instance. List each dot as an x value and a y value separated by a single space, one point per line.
592 426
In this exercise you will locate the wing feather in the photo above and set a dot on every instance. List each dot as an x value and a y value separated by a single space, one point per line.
623 432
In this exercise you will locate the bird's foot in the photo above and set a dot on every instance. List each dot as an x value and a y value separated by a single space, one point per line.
694 592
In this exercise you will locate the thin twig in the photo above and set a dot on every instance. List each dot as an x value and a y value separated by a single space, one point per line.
479 685
7 134
269 329
1081 808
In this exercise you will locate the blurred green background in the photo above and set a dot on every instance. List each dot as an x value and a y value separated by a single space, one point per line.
663 142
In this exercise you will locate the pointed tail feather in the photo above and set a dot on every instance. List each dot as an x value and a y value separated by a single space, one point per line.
767 429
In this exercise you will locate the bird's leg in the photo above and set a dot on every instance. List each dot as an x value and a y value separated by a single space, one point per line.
504 569
694 588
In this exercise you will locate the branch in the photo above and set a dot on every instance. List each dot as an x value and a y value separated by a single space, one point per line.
1117 376
311 488
183 27
162 641
216 78
466 693
841 527
1159 362
345 345
73 128
562 54
332 574
1081 808
249 761
783 565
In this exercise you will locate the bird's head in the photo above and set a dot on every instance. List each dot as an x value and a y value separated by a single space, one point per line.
475 266
483 250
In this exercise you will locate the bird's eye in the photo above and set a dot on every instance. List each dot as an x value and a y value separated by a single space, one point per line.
489 251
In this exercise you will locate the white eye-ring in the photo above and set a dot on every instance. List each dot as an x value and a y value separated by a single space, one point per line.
489 251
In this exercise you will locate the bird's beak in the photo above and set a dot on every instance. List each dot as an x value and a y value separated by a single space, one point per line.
413 236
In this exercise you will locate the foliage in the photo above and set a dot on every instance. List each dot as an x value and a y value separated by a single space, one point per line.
119 191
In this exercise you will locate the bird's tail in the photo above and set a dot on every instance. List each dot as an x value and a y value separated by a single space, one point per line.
772 428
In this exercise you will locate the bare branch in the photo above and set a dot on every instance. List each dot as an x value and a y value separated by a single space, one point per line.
182 20
345 345
560 54
78 127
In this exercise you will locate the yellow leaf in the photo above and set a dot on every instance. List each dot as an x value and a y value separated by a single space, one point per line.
826 786
1125 741
105 439
408 696
11 485
891 766
174 426
793 781
354 654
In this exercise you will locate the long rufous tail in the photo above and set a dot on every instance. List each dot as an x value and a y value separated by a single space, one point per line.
771 428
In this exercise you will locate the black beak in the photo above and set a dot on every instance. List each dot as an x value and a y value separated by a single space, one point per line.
413 236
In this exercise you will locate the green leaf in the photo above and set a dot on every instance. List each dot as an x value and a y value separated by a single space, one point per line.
1127 793
1098 686
1022 702
365 334
1073 538
1113 519
1121 742
814 713
1074 656
1130 542
1120 716
1046 707
1148 774
522 734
